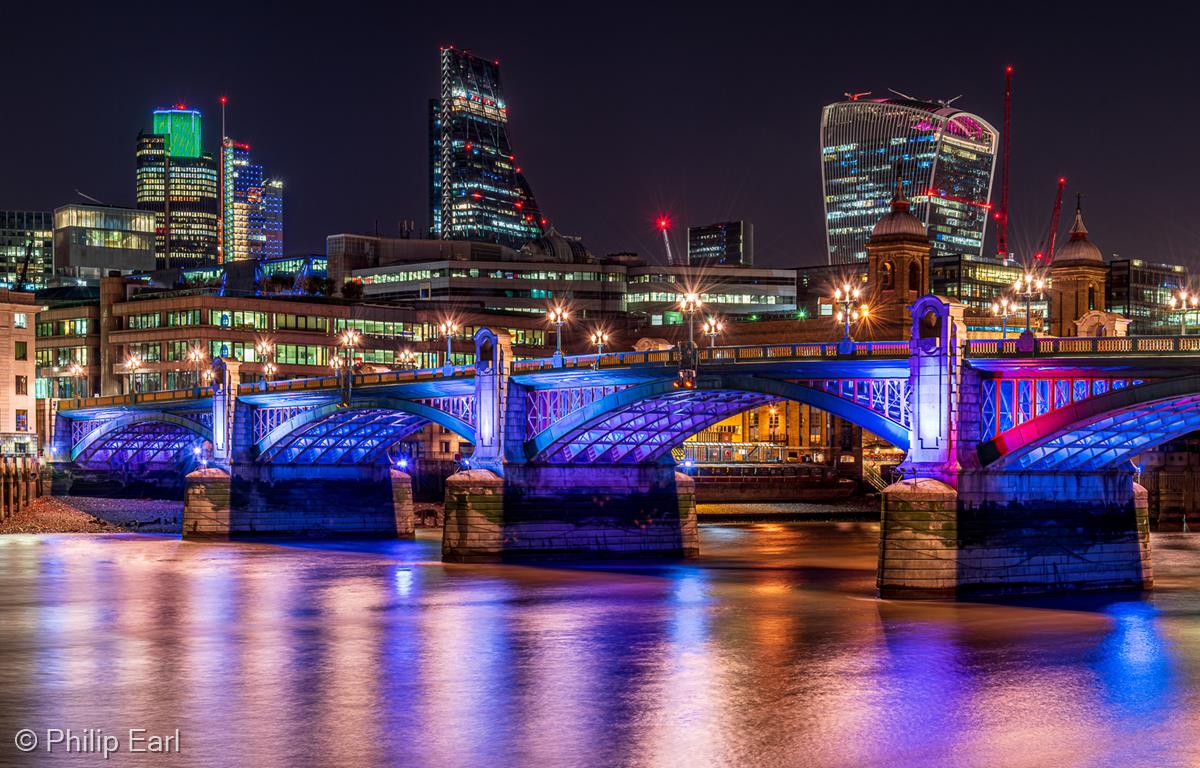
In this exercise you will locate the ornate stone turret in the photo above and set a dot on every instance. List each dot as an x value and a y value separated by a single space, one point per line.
897 261
1077 279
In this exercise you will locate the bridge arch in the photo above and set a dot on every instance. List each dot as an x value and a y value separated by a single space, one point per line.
152 435
1100 432
352 434
640 424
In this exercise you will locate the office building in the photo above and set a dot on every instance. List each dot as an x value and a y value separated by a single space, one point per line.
477 188
737 292
726 243
1142 291
92 240
347 252
26 249
17 372
944 156
251 206
179 184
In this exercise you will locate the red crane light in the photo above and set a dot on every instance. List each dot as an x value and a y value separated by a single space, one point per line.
663 223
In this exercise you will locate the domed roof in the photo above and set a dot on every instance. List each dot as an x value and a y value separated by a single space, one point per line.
557 247
1079 248
899 221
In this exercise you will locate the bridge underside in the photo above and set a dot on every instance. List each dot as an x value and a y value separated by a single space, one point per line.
346 437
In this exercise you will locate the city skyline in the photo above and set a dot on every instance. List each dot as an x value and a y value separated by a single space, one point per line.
600 136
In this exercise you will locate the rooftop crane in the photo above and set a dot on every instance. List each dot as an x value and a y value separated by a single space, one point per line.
664 223
1001 214
23 275
1045 257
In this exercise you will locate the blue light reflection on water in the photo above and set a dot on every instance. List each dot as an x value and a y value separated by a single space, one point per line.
769 649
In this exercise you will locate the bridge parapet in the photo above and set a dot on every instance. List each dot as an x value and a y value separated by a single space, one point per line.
1101 345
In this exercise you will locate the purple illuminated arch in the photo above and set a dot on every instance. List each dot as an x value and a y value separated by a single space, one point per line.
360 433
641 424
140 439
1101 432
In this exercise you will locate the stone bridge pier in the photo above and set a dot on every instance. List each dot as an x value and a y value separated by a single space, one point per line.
954 527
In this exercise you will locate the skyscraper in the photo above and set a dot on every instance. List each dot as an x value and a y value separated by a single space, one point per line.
26 249
477 190
944 156
187 217
727 243
252 218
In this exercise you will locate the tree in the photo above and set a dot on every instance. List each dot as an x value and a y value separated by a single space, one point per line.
352 290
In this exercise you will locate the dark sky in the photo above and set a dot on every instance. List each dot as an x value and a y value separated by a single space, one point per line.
615 114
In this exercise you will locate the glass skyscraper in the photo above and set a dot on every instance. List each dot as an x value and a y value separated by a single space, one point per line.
944 156
186 229
477 190
26 248
252 216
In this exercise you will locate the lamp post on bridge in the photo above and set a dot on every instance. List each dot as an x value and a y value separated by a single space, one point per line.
75 373
599 338
558 318
1004 309
349 340
1183 301
845 299
407 360
712 329
132 363
265 349
195 356
1027 286
448 329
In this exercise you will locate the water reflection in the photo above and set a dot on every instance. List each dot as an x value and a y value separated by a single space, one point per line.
768 650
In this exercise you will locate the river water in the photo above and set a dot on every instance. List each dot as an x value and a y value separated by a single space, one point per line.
768 650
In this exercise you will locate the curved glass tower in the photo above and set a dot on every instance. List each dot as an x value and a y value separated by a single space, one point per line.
944 155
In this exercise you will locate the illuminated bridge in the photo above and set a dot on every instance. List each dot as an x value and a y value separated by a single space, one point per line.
1018 475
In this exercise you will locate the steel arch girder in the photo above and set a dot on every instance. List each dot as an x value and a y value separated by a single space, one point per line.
121 422
1059 434
552 439
291 427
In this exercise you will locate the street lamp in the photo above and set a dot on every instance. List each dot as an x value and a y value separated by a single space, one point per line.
75 373
1004 309
265 349
1028 286
132 363
407 359
599 338
1183 301
690 304
448 329
558 318
269 371
712 329
845 298
195 356
349 339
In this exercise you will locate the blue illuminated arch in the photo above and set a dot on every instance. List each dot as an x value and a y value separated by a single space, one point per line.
1100 432
631 404
113 427
367 430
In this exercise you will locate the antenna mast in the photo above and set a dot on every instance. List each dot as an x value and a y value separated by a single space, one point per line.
1001 215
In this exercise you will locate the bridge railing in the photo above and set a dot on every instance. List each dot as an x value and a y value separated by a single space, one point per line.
360 379
717 354
1086 345
158 396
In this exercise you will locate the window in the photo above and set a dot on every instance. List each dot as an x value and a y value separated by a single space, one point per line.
887 276
22 420
445 446
147 320
914 277
22 385
20 350
183 317
20 320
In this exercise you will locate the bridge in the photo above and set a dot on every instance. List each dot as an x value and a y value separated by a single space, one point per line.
1017 477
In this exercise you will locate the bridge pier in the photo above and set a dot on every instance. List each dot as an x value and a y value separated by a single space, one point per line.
563 511
270 500
1014 532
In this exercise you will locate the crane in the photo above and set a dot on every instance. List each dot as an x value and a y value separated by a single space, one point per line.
23 275
664 223
1001 215
1046 256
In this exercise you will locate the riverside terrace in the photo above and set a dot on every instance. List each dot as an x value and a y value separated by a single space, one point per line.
1017 477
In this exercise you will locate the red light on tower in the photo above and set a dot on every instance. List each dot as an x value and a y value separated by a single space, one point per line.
663 223
224 100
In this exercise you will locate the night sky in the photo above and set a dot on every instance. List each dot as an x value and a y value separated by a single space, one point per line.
614 114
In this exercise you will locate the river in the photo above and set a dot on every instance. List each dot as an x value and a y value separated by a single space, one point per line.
768 650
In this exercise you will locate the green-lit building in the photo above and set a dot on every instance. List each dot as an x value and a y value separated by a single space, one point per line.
180 184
